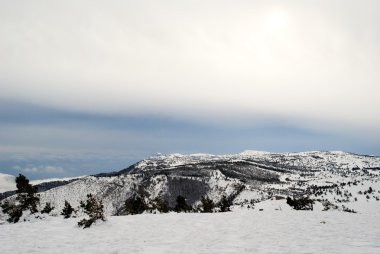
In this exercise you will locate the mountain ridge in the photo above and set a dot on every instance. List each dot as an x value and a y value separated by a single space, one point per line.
246 178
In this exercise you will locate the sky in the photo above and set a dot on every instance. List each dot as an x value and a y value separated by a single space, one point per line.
94 86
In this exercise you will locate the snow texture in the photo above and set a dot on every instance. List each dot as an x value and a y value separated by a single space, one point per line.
234 232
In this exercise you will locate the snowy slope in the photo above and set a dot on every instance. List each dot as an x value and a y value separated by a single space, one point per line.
247 178
250 231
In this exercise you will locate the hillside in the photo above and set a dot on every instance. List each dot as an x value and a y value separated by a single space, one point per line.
344 188
333 179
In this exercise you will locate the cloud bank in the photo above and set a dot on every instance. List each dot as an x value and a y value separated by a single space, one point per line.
314 62
93 86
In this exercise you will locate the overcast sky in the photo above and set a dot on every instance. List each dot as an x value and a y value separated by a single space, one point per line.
92 86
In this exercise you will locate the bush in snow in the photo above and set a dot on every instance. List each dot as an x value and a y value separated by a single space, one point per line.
207 205
27 198
48 208
13 211
224 204
67 210
94 208
303 203
181 205
161 205
135 205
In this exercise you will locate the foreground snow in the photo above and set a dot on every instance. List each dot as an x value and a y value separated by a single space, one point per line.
249 231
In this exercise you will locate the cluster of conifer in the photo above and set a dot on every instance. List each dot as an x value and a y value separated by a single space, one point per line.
28 199
138 204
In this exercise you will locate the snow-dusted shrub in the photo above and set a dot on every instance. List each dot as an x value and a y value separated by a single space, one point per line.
48 208
161 205
181 205
94 208
27 198
67 210
207 205
303 203
224 204
26 194
13 211
135 205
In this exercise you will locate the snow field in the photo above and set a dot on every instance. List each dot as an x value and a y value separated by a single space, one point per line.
235 232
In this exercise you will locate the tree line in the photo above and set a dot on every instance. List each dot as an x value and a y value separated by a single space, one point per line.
27 199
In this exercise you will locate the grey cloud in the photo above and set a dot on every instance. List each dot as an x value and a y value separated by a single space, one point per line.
91 86
311 61
42 170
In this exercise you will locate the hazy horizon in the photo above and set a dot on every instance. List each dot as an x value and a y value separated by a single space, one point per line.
94 86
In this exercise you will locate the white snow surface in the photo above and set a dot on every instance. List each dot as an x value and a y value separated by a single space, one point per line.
249 231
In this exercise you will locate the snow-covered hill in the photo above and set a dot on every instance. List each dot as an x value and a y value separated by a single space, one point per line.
333 179
345 189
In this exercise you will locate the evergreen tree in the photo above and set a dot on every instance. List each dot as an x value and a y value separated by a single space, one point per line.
207 205
289 201
94 209
48 208
26 194
67 210
181 205
302 203
26 199
14 211
161 205
135 205
224 204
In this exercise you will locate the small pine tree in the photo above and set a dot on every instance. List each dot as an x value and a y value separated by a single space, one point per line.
94 209
303 203
181 205
48 208
26 199
161 205
67 210
14 211
224 204
207 205
289 201
26 194
135 205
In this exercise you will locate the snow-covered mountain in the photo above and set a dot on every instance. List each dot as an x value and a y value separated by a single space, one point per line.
248 179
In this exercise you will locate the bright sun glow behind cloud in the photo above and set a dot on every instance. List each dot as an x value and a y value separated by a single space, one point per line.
104 81
199 61
277 21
